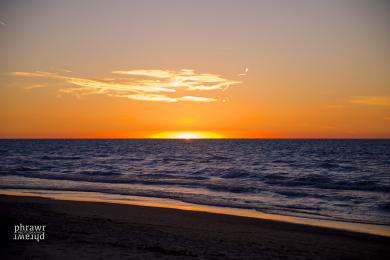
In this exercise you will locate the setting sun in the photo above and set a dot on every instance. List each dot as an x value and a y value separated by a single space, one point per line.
187 135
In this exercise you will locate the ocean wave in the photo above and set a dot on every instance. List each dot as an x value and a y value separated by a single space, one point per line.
53 157
344 178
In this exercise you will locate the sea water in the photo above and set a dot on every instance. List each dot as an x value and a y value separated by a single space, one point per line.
342 180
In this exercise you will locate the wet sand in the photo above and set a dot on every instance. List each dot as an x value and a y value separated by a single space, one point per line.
95 230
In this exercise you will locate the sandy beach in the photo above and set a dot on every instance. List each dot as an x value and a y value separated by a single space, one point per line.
95 230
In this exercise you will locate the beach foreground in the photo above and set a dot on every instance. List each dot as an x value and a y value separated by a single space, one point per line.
93 230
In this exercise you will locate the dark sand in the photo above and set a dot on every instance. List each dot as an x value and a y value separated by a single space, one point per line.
89 230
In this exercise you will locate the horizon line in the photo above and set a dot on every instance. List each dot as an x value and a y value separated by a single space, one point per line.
191 139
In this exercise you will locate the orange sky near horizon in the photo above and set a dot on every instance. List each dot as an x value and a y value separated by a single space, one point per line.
147 69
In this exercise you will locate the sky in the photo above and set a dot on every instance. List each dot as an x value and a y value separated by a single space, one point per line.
194 68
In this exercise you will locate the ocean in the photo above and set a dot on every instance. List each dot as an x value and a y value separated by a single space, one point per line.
341 180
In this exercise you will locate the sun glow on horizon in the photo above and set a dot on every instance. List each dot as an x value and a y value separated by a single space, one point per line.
187 135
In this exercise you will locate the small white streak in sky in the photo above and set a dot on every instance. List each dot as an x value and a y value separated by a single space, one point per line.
244 73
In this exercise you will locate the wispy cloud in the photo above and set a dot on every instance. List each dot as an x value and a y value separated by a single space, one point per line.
146 73
185 79
144 85
35 86
165 98
371 100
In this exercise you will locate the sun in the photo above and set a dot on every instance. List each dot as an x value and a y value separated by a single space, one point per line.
187 135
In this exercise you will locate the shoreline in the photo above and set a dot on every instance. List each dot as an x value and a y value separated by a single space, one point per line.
380 230
85 230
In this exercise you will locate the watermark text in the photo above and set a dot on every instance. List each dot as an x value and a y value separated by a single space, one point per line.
29 232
